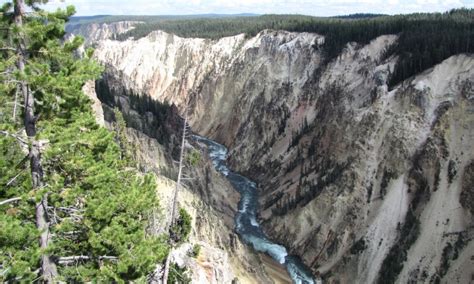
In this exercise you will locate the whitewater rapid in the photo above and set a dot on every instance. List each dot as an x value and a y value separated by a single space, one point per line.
246 224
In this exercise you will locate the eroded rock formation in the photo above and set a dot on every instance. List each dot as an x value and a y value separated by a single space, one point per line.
364 182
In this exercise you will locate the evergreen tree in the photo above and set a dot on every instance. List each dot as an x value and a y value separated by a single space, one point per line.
64 180
120 128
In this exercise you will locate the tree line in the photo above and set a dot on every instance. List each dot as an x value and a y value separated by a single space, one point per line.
425 38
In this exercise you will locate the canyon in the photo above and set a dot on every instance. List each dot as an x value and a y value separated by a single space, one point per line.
365 182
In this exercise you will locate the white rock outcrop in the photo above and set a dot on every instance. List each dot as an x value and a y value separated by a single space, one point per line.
340 159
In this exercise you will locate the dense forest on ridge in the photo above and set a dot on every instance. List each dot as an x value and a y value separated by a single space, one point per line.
425 39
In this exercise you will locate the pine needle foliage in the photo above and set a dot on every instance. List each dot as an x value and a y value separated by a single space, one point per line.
99 204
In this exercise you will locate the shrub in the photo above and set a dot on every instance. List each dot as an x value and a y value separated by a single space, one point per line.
196 250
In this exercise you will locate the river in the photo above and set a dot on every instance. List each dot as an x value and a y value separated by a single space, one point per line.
246 224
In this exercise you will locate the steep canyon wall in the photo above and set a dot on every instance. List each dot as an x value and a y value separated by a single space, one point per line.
362 182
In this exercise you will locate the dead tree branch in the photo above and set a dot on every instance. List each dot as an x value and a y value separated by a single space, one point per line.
67 260
17 137
10 200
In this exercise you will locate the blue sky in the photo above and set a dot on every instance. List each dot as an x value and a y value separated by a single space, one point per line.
307 7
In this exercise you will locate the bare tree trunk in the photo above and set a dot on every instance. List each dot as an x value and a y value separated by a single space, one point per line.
29 119
180 169
48 267
166 269
15 104
175 198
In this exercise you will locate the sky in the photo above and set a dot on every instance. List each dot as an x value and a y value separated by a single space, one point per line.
306 7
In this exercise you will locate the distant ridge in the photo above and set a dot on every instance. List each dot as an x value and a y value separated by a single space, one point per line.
207 15
425 39
155 18
360 16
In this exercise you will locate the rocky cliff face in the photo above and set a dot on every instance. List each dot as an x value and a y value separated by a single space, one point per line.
366 184
96 32
209 198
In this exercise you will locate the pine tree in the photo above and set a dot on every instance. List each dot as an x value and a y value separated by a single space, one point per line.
25 47
64 179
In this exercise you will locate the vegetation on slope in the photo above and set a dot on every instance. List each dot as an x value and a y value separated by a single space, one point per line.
141 104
